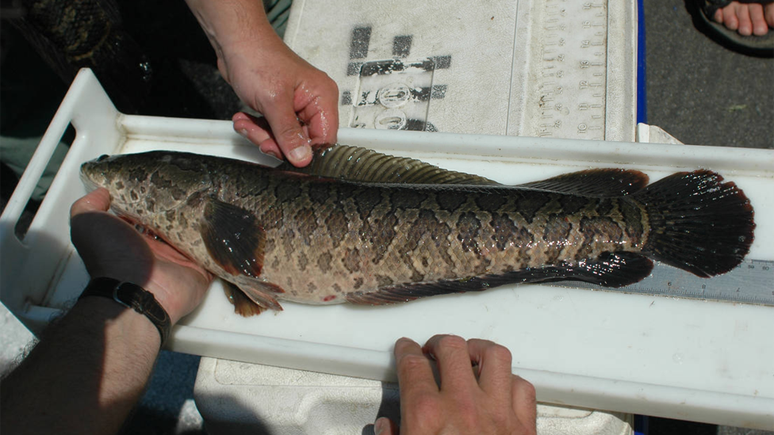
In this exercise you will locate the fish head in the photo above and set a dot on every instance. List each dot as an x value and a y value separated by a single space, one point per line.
146 184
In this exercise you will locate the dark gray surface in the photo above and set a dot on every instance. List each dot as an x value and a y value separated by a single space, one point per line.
701 92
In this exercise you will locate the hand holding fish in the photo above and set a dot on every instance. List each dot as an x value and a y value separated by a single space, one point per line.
299 102
112 248
476 393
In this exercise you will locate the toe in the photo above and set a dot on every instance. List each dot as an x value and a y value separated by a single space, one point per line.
718 17
745 24
759 26
768 12
729 16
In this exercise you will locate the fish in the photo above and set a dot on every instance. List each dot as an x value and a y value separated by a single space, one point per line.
357 226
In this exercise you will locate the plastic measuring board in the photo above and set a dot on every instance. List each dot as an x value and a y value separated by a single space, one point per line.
527 67
573 70
575 66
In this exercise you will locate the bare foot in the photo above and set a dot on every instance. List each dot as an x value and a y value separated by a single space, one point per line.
747 18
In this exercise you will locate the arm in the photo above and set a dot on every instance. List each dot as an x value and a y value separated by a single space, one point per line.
91 366
475 391
298 101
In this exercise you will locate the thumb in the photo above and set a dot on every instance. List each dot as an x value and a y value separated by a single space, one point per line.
290 136
385 426
97 200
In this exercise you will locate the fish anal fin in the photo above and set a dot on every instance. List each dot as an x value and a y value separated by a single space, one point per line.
601 183
353 163
611 269
233 238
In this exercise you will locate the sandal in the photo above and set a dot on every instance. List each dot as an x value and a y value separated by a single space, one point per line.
755 45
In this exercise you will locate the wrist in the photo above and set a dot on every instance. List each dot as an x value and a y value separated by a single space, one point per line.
133 297
114 325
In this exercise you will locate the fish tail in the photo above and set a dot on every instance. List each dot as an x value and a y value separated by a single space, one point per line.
698 222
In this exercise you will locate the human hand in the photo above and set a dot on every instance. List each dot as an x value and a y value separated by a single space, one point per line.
298 101
476 393
110 247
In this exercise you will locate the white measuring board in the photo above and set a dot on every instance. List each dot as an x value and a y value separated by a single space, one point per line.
540 68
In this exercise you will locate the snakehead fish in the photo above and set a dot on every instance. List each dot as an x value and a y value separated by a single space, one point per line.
365 228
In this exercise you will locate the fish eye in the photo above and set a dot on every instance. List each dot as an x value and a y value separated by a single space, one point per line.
102 157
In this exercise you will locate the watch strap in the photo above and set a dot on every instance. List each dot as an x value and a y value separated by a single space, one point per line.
131 296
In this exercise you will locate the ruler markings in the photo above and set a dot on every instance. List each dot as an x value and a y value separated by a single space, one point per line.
573 56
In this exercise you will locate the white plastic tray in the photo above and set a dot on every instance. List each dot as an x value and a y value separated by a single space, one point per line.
688 359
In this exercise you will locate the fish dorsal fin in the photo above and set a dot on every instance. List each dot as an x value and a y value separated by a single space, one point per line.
353 163
233 238
611 269
602 183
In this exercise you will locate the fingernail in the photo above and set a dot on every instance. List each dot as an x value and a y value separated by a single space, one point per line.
381 426
272 153
243 132
300 153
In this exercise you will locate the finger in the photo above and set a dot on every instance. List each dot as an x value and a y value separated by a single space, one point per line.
524 402
257 131
415 375
385 426
453 358
494 366
288 134
743 15
759 26
97 200
729 16
321 114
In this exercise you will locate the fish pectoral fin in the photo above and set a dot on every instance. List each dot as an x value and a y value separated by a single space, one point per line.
353 163
602 183
233 238
611 269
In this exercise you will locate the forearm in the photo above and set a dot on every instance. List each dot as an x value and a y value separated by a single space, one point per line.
233 23
85 375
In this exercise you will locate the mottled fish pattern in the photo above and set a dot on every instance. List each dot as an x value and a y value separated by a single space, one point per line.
361 227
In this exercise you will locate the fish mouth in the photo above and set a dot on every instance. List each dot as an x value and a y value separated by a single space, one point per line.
88 182
87 168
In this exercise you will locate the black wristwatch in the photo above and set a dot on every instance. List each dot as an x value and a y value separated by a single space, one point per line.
131 296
